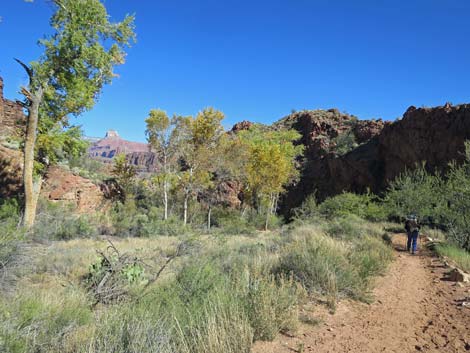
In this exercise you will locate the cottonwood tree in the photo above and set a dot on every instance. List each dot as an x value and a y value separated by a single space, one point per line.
78 60
163 139
270 166
199 140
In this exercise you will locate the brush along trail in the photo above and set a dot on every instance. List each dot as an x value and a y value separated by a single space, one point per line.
414 310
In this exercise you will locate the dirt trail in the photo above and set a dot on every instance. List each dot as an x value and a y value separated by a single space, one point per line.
415 310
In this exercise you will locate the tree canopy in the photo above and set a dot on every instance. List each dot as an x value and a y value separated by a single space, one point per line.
78 60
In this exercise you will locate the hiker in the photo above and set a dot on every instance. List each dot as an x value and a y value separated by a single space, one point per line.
412 230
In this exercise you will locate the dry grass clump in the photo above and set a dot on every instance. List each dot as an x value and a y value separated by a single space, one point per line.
331 267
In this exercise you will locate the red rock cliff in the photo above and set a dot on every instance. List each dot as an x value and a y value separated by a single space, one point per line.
433 135
12 118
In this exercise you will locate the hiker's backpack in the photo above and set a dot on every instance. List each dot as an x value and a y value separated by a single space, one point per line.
413 225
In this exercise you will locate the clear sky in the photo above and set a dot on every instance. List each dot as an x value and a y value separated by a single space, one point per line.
257 60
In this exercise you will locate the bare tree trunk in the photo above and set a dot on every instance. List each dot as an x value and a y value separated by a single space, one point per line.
185 209
209 218
165 199
267 220
269 210
275 203
31 191
165 186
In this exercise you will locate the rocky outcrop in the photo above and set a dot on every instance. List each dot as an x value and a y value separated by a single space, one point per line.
12 118
242 125
60 186
143 161
230 194
435 136
365 130
11 170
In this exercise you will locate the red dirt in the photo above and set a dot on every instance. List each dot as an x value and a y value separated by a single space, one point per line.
415 310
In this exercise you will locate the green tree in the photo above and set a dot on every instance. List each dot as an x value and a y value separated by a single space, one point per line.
78 60
270 166
455 210
200 137
415 192
164 141
124 172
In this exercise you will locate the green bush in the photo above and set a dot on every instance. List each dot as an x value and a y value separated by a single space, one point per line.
364 206
129 220
345 143
438 201
370 256
59 223
309 211
454 213
271 304
347 227
331 267
232 222
415 192
9 210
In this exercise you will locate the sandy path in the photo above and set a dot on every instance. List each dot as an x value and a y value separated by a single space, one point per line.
415 310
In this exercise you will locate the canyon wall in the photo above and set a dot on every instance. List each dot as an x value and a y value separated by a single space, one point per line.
12 118
435 136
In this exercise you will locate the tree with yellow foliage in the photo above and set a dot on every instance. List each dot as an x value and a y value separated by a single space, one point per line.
270 166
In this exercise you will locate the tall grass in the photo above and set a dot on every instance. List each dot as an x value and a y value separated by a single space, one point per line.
219 297
458 255
334 268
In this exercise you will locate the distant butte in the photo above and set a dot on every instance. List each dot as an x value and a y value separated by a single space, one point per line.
112 144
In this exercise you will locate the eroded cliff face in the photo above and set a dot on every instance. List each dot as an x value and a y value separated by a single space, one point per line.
137 153
12 118
11 170
61 186
112 144
432 135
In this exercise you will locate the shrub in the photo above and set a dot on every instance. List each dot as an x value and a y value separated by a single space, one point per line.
363 206
129 220
232 222
131 329
346 227
9 210
370 256
345 143
40 322
307 212
11 255
267 303
271 304
415 192
331 267
454 214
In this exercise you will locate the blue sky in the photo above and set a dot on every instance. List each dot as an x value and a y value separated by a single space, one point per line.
257 60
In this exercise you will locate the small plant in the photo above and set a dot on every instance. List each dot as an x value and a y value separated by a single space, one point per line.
109 277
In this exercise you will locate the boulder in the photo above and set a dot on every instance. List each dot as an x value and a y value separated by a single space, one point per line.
457 275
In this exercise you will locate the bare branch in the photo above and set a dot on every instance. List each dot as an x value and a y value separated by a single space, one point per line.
28 70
